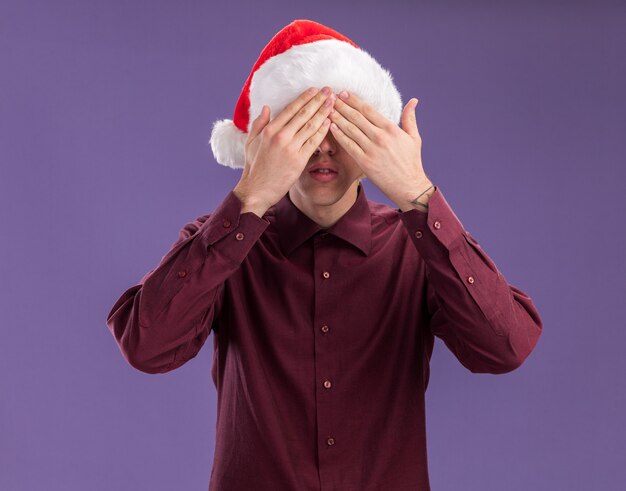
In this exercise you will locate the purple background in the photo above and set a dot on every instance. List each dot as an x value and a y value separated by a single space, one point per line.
106 111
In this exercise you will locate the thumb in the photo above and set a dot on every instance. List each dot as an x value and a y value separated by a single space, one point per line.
409 123
259 123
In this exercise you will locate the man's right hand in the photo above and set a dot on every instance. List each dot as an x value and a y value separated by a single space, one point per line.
277 151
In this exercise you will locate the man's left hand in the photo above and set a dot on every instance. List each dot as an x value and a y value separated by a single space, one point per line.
389 156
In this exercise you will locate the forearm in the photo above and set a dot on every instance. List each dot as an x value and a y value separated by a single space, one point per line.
490 325
162 322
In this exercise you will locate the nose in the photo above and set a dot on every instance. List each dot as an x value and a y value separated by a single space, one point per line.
328 145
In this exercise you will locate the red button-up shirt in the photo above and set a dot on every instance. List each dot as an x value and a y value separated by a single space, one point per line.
322 337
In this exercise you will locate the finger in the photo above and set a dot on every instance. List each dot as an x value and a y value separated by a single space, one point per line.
417 130
259 122
293 107
409 124
352 147
351 130
257 125
306 112
364 108
358 119
315 140
313 124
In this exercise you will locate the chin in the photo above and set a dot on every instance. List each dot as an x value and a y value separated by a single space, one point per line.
324 195
320 194
327 199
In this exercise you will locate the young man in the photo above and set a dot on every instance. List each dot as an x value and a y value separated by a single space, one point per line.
324 305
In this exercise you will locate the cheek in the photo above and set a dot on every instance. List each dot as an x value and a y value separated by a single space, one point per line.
353 166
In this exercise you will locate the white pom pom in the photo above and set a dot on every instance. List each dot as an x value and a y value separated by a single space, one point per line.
227 143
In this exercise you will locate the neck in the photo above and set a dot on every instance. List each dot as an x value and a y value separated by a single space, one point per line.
325 215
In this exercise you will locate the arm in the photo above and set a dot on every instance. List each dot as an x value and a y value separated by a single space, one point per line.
489 325
163 321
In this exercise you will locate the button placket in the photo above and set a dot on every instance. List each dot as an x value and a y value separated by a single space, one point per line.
326 350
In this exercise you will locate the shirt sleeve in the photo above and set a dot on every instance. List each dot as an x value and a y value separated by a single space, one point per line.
163 321
489 325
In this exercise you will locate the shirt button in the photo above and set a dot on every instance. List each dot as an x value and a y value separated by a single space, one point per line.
327 384
418 234
239 236
330 440
182 274
324 329
470 279
326 274
437 224
226 223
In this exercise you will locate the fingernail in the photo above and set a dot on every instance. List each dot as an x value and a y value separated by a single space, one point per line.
325 91
343 94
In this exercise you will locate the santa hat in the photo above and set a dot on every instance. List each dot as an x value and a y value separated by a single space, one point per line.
303 54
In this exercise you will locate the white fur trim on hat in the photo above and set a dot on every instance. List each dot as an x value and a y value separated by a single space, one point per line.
285 76
227 143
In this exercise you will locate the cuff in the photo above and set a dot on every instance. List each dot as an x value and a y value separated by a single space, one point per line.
230 231
436 230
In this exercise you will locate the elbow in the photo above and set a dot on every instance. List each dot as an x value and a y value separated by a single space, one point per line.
496 365
514 347
144 354
501 366
523 339
140 351
146 364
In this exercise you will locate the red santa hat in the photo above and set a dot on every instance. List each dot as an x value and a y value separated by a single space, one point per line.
301 55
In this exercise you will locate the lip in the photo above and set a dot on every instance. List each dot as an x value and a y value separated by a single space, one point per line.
323 165
331 176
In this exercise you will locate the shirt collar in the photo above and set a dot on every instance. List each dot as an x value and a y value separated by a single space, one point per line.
294 227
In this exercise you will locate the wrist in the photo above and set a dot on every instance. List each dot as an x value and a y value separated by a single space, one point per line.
418 197
249 203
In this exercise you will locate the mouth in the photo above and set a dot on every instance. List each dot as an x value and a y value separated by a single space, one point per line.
323 175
